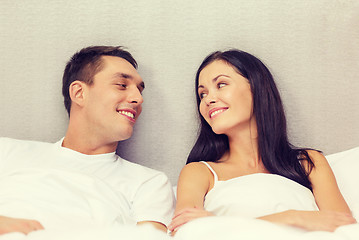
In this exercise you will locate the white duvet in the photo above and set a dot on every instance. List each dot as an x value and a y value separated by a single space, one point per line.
99 221
230 228
210 228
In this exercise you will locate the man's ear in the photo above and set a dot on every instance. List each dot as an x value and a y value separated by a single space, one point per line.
77 92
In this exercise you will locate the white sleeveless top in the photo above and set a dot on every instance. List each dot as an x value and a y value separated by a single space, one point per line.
257 195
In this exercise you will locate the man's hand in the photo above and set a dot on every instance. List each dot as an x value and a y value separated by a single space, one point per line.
25 226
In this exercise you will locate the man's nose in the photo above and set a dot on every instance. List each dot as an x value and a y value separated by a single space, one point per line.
135 96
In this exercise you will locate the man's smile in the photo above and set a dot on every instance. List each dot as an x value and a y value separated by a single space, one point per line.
128 113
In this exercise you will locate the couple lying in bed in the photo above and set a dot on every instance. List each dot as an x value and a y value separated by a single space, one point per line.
242 160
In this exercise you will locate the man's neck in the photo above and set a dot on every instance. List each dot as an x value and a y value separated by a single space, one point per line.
87 145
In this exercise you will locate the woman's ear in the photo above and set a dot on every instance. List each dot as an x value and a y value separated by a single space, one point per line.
77 92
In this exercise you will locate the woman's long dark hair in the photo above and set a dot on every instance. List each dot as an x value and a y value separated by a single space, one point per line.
277 154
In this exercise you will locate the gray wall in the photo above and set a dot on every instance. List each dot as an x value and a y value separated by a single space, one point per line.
312 48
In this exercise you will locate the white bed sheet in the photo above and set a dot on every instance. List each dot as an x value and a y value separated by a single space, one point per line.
235 228
345 166
210 228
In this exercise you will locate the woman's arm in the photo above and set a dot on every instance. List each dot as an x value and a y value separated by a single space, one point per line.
193 184
311 220
325 188
333 210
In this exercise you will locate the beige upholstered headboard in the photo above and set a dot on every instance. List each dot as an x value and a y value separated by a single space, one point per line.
311 47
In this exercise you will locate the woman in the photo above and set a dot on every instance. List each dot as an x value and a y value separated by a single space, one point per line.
243 163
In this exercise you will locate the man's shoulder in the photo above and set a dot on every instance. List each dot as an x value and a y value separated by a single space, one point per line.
5 141
14 141
140 168
8 145
141 172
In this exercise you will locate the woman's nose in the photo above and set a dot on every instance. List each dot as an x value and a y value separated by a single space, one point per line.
210 99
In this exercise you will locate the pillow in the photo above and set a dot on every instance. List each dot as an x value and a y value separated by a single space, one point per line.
345 166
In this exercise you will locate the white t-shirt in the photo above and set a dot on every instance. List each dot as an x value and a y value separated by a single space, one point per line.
61 187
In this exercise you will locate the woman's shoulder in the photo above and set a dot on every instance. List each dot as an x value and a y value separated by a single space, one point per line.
198 173
317 157
195 168
320 163
310 159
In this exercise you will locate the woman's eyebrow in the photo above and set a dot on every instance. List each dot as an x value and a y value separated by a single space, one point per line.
214 80
220 75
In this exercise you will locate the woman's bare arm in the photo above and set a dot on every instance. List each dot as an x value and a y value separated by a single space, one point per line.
333 210
193 185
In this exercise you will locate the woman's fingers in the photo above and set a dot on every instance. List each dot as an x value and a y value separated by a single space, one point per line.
186 215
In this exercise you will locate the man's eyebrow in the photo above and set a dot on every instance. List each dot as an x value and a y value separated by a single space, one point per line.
123 75
214 80
130 77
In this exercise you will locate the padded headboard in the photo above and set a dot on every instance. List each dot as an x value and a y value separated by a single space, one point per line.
311 47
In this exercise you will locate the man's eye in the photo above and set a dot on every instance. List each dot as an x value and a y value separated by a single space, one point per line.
122 85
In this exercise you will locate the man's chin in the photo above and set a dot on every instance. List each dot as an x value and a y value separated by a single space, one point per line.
124 136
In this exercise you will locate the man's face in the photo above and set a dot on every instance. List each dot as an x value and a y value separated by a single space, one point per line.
113 102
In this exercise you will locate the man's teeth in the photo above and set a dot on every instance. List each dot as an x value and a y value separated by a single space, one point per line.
129 114
216 112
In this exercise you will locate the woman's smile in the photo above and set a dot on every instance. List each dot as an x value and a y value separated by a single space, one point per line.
216 111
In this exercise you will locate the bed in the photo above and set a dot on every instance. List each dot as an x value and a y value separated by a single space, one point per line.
311 47
344 164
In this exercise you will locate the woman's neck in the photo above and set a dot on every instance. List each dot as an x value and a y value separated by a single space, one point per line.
243 145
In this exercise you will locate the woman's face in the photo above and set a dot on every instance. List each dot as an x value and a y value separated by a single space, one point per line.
226 98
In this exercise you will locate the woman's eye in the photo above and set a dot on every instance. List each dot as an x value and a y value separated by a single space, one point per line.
220 85
202 95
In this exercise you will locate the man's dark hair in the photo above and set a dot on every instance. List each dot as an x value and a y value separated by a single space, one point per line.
84 65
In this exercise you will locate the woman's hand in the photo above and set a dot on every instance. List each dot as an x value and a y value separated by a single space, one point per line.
193 184
312 220
324 220
25 226
185 215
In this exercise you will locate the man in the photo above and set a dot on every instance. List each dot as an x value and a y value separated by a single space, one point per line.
80 180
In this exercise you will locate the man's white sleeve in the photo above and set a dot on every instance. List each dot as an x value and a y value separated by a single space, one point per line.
154 200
